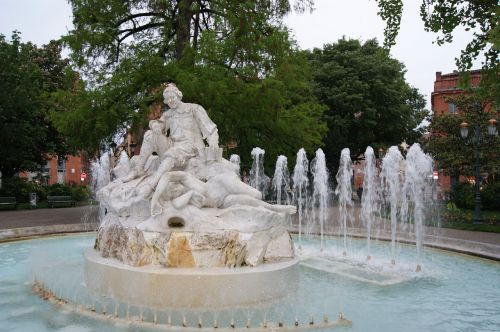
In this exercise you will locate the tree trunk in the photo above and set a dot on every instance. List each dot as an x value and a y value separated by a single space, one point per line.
183 33
454 180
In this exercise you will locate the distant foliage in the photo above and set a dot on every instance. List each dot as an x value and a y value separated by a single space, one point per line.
490 196
455 155
235 58
464 193
58 189
20 188
28 76
445 17
367 97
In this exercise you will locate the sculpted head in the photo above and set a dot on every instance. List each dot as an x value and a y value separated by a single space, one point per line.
172 96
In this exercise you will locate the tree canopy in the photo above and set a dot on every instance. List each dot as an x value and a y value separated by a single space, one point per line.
368 99
28 75
456 155
445 17
234 57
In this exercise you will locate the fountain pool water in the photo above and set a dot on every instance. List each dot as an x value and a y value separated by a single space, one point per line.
453 292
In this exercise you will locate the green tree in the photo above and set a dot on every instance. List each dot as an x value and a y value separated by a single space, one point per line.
28 75
452 153
234 57
108 31
445 17
368 99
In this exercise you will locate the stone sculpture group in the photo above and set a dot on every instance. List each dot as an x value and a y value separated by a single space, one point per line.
183 205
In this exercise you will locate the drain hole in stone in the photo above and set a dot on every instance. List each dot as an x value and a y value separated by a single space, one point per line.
176 222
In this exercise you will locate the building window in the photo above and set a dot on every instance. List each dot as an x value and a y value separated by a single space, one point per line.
452 108
46 168
61 164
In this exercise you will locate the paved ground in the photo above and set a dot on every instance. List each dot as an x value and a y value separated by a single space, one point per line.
47 217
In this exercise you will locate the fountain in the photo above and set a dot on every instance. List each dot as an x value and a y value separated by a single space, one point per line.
101 169
258 179
371 196
281 181
184 245
181 233
321 191
182 219
301 188
344 192
419 167
391 179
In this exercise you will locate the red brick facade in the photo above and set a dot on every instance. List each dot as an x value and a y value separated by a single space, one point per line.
66 170
447 86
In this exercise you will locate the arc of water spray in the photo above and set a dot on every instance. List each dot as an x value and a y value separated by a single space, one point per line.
418 171
301 187
101 176
281 181
370 196
391 181
320 192
258 179
344 192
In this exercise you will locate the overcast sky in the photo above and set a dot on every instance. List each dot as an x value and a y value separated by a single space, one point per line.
39 21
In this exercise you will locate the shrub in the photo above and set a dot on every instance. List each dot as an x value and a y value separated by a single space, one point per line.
59 189
463 195
80 193
20 188
39 189
490 196
16 187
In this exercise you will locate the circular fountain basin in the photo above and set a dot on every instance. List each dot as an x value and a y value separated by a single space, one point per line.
453 292
160 287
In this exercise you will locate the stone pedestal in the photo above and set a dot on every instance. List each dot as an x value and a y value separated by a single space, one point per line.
158 287
238 237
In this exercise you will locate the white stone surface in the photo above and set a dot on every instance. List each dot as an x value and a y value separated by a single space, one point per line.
190 288
183 205
197 245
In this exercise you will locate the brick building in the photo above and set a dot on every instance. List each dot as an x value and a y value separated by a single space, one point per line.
67 169
447 86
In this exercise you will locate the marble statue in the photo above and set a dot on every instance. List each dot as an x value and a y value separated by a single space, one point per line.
180 187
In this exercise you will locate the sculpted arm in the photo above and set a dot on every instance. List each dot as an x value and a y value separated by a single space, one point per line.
207 126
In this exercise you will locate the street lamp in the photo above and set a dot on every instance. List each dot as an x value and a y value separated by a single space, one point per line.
464 131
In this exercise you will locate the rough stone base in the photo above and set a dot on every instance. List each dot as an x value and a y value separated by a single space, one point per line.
183 248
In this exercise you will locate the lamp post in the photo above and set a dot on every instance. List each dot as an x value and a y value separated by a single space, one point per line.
464 131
